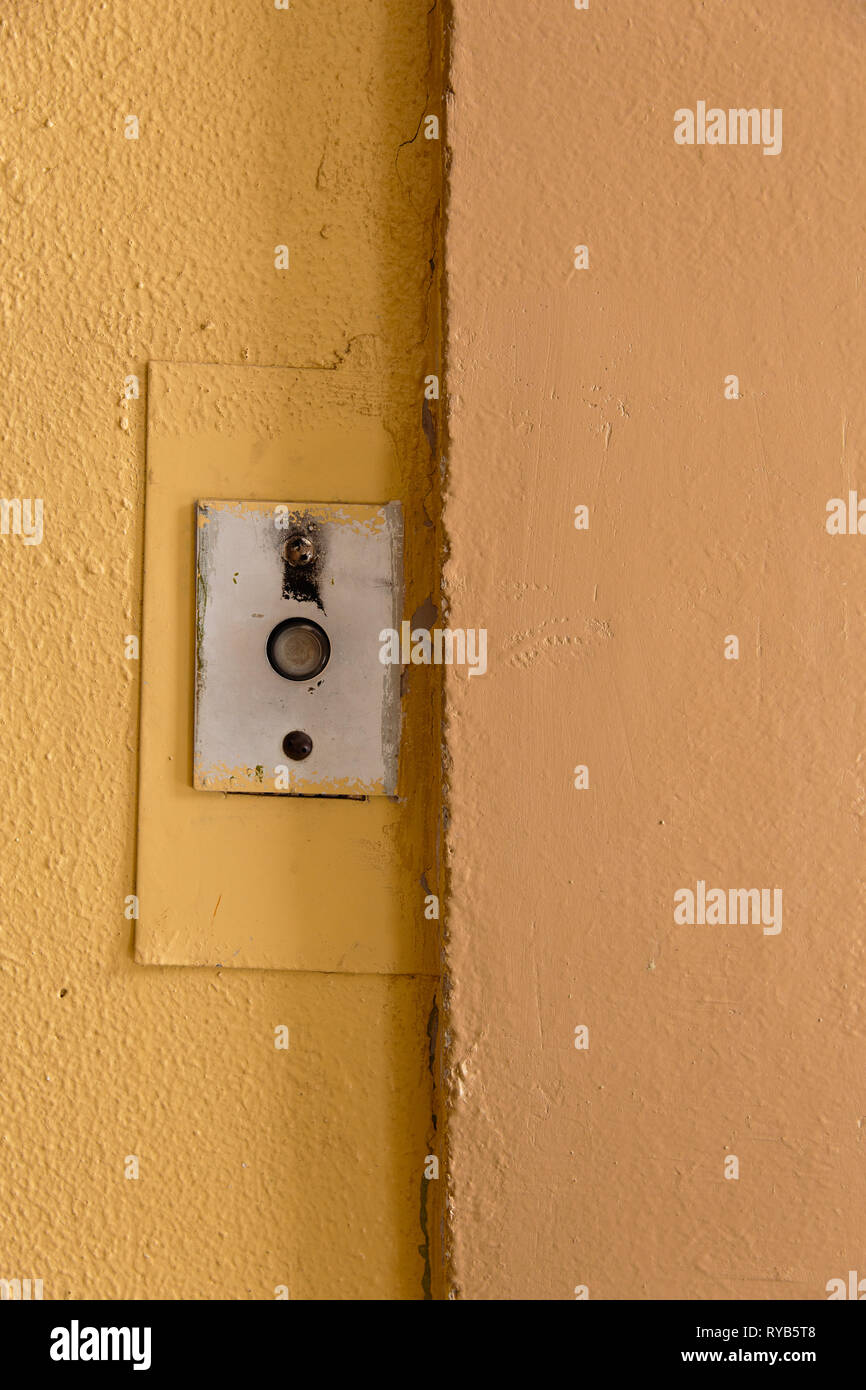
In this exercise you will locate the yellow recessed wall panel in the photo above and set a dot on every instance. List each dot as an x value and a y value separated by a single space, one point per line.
291 882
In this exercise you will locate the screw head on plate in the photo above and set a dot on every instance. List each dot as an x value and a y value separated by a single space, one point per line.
297 745
299 551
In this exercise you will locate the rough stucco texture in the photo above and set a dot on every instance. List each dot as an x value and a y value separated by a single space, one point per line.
604 1168
258 127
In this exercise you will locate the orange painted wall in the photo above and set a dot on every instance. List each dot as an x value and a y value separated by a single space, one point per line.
607 1168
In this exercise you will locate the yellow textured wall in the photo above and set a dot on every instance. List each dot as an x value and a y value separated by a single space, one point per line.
257 127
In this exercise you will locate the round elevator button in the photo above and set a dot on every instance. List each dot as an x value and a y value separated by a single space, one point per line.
298 649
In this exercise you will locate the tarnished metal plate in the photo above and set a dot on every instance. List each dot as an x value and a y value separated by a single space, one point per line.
246 586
